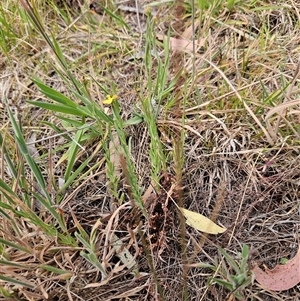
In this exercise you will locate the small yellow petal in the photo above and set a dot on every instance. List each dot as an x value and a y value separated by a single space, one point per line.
109 99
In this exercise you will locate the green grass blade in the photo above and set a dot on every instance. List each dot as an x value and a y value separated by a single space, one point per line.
39 178
72 123
13 264
53 269
114 16
15 281
57 130
77 172
81 238
95 110
224 283
72 153
8 160
51 210
92 258
230 260
54 95
60 108
25 211
10 219
59 54
16 246
7 192
245 256
24 150
3 213
132 177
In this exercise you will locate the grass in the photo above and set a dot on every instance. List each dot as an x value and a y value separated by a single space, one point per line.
87 188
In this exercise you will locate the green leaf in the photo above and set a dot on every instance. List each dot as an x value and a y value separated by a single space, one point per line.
18 282
283 260
3 213
8 160
239 279
16 246
58 52
245 251
114 16
133 121
25 211
84 241
77 172
54 213
224 283
13 264
244 261
73 123
53 269
57 129
94 109
55 95
230 260
60 108
72 153
24 150
94 261
7 191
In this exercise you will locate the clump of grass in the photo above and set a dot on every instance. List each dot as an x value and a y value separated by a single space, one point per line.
207 119
234 275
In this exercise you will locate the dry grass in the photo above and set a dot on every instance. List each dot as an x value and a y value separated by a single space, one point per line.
241 129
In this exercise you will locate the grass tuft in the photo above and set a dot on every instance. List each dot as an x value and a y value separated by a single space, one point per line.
111 119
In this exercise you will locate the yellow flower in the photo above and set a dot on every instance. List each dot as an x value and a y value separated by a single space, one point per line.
109 99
